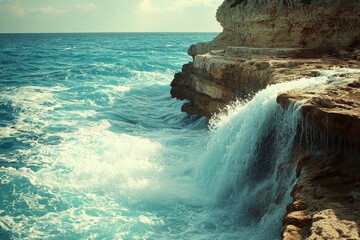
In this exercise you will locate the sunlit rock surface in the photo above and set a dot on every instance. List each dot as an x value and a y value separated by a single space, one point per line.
265 42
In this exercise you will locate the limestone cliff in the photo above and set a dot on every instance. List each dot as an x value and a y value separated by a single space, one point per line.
260 42
266 42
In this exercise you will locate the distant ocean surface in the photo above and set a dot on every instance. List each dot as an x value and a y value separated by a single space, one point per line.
92 146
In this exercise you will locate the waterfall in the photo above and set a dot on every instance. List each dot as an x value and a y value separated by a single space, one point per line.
245 171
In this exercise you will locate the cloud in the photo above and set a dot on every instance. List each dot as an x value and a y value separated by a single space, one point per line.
18 10
182 4
146 6
154 6
87 6
47 10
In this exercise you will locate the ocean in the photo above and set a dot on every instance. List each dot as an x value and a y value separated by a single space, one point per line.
92 146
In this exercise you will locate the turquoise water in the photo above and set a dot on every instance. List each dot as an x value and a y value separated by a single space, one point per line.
93 147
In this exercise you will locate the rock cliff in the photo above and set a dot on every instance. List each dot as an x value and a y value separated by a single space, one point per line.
265 42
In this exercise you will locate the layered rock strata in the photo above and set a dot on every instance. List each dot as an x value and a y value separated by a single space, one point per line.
216 78
267 42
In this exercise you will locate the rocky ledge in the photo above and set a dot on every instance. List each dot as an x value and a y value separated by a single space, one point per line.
218 77
267 42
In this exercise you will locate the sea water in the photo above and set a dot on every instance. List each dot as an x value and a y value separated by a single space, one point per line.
93 147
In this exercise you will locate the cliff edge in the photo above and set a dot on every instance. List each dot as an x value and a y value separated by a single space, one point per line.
267 42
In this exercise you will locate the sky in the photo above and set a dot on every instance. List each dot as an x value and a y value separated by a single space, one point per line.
109 16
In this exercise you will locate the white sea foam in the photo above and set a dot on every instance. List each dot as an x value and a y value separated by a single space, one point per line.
150 78
119 88
31 98
94 158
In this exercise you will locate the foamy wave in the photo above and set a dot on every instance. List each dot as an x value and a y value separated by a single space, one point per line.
95 158
31 98
150 78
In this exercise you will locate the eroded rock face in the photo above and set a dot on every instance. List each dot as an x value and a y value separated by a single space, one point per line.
326 197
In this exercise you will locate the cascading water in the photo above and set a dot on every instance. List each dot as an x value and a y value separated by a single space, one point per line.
245 171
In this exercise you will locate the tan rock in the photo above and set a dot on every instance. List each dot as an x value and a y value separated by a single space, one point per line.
291 232
326 225
298 218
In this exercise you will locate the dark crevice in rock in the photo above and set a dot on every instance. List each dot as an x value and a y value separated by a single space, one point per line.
238 2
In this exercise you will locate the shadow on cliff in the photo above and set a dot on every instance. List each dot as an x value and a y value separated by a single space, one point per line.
326 198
